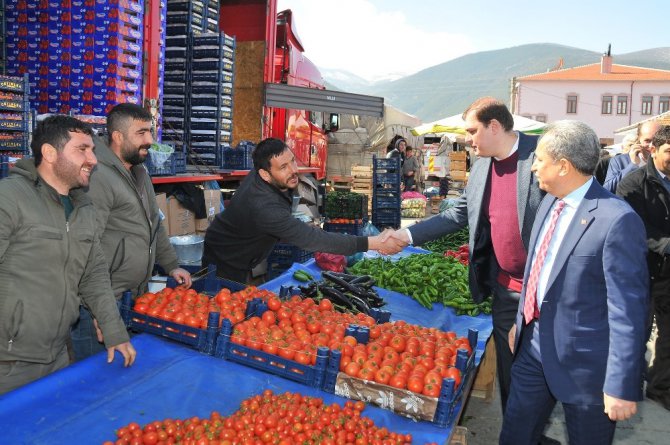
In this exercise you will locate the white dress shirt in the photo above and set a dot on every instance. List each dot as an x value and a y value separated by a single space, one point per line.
572 201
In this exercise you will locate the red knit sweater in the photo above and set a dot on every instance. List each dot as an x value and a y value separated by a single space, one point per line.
500 207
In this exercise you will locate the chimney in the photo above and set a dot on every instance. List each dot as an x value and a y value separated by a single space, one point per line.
606 61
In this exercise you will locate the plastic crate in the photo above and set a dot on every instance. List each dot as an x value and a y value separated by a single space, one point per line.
350 229
211 100
205 112
385 203
18 143
290 253
18 105
214 88
203 340
213 64
392 179
176 163
14 125
212 76
388 165
308 375
238 158
448 398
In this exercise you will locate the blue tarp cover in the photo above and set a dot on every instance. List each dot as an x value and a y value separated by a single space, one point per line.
86 402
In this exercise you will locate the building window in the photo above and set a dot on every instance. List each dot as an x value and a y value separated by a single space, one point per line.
606 107
622 105
663 104
647 102
541 118
572 105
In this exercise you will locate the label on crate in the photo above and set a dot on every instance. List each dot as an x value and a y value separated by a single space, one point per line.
402 401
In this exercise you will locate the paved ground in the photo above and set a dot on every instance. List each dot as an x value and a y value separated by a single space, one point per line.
651 424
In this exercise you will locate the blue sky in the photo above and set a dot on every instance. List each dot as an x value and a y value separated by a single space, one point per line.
376 38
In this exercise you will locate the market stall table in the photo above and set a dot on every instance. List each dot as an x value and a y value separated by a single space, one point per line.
88 401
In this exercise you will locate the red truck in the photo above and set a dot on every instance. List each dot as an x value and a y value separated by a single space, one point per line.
280 93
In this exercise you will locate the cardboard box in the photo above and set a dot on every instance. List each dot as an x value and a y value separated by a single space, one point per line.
181 220
161 199
212 204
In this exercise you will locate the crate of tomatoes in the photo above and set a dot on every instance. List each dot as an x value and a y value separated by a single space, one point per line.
292 338
190 316
414 371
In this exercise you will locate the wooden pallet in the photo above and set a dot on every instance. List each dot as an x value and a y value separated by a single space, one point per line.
485 381
460 436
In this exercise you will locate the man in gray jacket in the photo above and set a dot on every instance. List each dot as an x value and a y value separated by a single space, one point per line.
50 257
132 236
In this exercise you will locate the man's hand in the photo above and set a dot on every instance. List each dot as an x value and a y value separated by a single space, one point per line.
127 351
386 243
619 409
98 331
182 277
637 153
511 337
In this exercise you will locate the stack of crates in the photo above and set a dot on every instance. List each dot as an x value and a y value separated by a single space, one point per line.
3 55
211 97
386 192
161 68
15 120
82 56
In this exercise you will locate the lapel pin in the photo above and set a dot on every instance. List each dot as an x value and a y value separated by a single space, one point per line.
583 222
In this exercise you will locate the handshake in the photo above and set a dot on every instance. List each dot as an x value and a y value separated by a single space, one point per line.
389 241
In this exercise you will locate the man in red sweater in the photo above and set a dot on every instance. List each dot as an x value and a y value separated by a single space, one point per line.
499 205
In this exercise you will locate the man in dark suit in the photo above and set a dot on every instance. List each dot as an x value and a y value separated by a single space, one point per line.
581 325
647 190
501 195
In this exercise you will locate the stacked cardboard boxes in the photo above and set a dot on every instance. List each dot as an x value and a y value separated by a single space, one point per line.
179 220
457 166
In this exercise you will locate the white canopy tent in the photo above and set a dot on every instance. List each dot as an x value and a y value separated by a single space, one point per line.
456 125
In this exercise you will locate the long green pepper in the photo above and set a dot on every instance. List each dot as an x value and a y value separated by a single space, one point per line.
429 279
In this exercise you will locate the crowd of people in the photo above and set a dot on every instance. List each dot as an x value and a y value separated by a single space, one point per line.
577 273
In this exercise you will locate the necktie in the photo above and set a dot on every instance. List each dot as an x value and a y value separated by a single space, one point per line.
530 309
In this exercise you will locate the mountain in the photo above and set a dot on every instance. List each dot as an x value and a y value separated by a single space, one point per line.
448 88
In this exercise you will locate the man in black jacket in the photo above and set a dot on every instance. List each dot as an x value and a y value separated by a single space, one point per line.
259 215
647 190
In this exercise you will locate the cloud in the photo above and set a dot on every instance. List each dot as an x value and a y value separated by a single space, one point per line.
355 36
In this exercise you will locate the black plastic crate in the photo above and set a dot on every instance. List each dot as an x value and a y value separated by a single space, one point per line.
192 5
206 100
350 229
239 158
213 65
212 76
220 88
211 112
210 136
176 163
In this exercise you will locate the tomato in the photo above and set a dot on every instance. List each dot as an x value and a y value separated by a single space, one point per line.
325 305
398 381
382 376
454 373
150 438
415 384
274 303
269 317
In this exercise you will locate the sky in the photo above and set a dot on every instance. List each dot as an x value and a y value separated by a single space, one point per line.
387 38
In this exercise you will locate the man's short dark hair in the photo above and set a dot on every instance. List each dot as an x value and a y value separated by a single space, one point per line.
117 118
661 137
265 151
488 108
55 130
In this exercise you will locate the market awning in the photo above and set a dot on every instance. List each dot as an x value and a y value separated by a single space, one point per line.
301 98
663 117
455 125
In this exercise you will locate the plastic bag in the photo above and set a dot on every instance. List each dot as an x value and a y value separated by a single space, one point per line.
330 261
370 230
160 153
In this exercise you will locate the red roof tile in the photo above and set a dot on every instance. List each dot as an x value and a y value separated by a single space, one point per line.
592 72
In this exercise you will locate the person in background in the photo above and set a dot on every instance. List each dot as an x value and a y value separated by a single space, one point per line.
498 205
647 190
133 238
624 163
397 150
410 170
51 260
579 336
259 216
606 156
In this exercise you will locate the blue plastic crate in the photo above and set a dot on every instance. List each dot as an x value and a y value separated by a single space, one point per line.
16 84
389 165
383 179
14 125
385 203
290 253
308 375
238 158
203 340
18 144
176 163
350 229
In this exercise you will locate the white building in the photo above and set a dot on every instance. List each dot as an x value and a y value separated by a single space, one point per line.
603 95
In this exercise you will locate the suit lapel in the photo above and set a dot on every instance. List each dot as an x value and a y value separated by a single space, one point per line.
476 189
579 224
523 175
